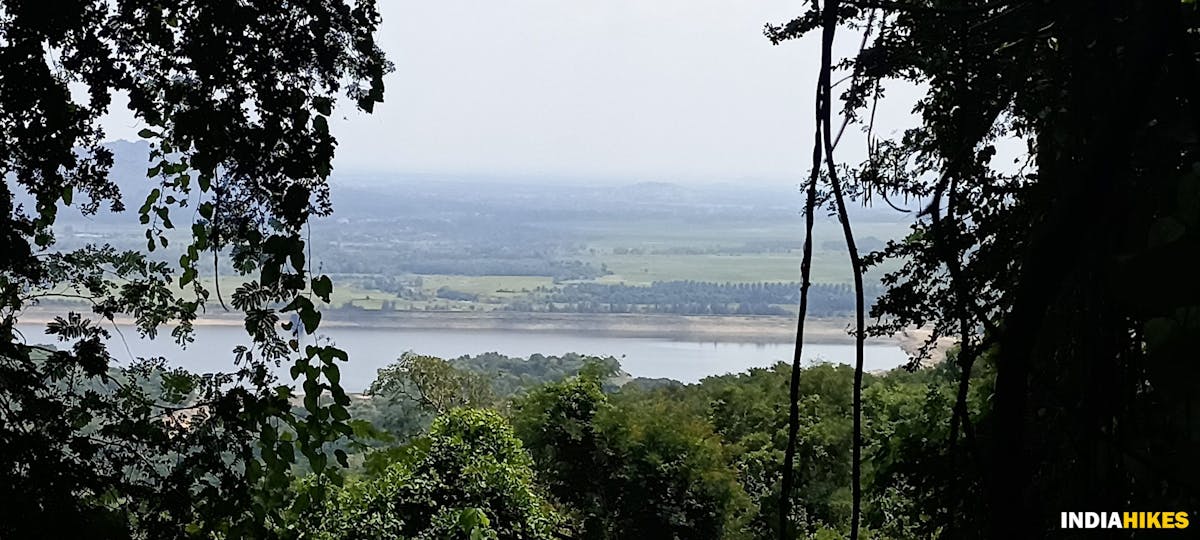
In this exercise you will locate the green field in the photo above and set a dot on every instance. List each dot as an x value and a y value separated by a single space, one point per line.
650 264
829 265
659 233
633 269
674 243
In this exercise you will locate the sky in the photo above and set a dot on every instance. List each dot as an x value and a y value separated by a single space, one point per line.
625 90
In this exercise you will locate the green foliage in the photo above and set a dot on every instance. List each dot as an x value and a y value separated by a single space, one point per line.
556 424
235 98
702 460
910 474
470 478
511 376
432 383
647 470
681 461
407 394
749 412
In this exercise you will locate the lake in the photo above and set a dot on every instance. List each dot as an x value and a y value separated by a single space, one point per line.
372 348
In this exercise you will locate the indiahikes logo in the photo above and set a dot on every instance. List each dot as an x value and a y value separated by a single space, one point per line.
1124 520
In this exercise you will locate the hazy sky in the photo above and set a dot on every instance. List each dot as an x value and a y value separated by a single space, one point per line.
671 90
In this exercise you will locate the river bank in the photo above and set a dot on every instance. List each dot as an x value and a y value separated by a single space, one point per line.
699 328
702 328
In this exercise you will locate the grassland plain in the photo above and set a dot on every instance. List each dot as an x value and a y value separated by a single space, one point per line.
496 292
702 233
640 269
695 244
645 251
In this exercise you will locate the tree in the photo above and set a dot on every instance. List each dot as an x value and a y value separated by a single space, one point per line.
912 484
555 423
409 393
433 384
1070 267
469 478
747 412
635 470
235 98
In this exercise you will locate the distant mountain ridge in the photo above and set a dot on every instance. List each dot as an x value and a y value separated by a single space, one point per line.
391 193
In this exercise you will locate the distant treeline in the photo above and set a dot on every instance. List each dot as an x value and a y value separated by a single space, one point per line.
696 298
446 293
404 263
405 287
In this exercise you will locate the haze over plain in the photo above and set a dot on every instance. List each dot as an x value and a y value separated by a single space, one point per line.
686 91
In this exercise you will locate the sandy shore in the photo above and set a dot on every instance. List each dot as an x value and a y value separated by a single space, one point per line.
727 328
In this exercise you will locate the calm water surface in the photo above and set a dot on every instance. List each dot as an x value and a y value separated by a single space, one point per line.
372 348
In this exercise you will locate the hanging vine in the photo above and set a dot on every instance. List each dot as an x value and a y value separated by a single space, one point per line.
824 142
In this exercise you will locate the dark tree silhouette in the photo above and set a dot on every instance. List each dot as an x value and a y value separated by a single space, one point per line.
1068 270
235 97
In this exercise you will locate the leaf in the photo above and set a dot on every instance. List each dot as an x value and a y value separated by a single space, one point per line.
302 502
189 275
323 105
339 396
317 462
150 200
147 133
323 287
362 428
200 235
297 258
312 392
1166 230
332 374
311 319
285 449
339 413
269 274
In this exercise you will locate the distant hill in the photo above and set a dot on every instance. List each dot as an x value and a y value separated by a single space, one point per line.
130 161
389 195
